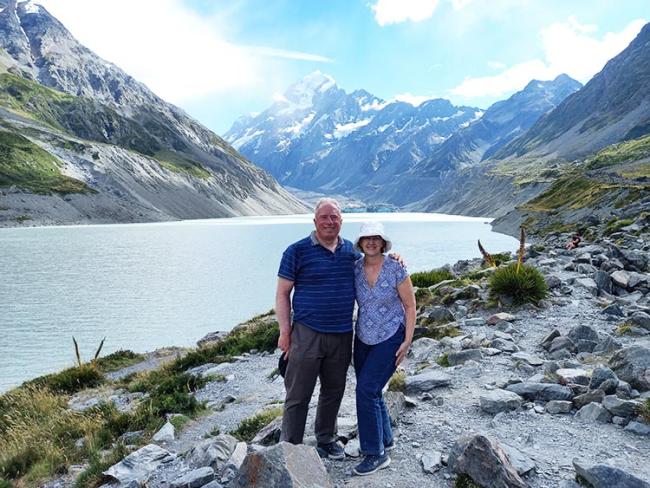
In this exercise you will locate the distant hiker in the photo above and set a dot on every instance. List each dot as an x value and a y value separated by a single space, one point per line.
384 332
574 242
319 269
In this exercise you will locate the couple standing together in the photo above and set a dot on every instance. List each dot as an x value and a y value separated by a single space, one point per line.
327 274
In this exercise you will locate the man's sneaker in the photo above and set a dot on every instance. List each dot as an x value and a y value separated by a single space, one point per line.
371 464
332 451
391 446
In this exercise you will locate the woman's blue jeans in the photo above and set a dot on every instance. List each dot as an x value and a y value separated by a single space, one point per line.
374 365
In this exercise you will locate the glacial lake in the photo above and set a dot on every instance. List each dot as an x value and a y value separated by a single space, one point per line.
145 286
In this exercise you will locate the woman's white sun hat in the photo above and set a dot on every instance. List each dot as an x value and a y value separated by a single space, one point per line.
373 229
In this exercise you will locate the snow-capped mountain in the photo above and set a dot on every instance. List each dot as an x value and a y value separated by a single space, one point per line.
318 137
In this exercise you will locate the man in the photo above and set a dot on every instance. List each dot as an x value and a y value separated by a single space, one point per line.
320 271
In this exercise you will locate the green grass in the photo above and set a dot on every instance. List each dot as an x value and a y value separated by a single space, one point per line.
118 360
28 167
439 331
261 333
464 481
573 191
180 164
92 476
443 360
525 286
644 410
623 152
615 225
624 328
425 279
397 382
248 428
70 380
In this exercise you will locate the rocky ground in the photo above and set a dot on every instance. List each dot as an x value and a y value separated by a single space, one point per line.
558 387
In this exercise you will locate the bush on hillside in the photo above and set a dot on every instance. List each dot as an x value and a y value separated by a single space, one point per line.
248 428
425 279
524 286
70 380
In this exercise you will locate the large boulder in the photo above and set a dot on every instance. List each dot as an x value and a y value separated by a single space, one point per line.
137 466
213 452
632 364
456 358
496 401
484 460
193 479
427 381
604 476
284 464
541 391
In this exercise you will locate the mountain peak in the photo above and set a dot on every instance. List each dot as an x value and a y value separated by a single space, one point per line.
303 91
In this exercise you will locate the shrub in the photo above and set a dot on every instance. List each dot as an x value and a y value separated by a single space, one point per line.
397 381
615 225
443 360
464 481
70 380
644 410
425 279
247 428
92 476
118 360
525 286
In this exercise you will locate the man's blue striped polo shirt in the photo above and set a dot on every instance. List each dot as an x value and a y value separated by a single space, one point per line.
323 296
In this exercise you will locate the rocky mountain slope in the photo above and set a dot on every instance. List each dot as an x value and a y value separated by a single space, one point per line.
321 138
136 157
613 106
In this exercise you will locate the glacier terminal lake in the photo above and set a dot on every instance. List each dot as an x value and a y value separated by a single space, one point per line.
146 286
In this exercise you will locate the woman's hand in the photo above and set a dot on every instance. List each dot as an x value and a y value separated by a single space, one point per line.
402 351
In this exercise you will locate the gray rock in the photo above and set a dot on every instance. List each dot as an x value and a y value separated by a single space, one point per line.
552 281
558 406
460 357
439 314
504 345
496 401
583 332
573 375
474 322
353 448
498 317
599 375
270 433
541 391
641 319
213 452
589 284
422 348
604 476
431 461
427 381
548 340
638 428
621 408
613 309
633 365
165 434
594 412
522 463
395 405
528 358
603 282
562 342
609 386
485 461
193 479
606 345
620 278
212 339
286 465
595 396
137 466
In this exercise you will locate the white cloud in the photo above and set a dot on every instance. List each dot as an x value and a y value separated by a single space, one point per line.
396 11
163 43
414 100
569 47
496 65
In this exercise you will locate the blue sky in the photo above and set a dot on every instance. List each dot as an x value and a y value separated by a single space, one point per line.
219 59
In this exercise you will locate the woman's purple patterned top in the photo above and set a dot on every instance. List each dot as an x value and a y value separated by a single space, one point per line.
380 309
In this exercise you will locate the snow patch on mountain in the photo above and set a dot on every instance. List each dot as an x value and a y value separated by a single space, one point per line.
343 130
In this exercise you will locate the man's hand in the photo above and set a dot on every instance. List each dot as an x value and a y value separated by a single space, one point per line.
401 352
398 257
284 343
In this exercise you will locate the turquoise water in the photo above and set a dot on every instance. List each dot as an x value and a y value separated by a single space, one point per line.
144 286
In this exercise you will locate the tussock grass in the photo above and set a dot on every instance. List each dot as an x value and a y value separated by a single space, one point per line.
425 279
615 225
443 360
644 410
248 428
70 380
525 286
38 433
118 360
464 481
397 382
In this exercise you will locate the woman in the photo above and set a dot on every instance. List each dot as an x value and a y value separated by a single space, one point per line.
384 333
